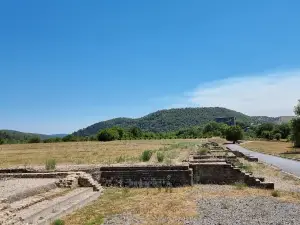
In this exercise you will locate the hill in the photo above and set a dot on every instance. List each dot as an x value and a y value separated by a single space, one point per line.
169 120
16 136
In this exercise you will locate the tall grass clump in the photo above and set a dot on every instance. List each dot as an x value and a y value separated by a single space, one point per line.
160 156
146 155
50 164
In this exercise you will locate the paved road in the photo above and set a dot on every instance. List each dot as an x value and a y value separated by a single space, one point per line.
287 165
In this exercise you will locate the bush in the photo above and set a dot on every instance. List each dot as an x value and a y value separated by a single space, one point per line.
50 164
146 155
275 193
34 140
267 135
108 135
234 133
1 142
58 222
264 127
69 138
277 136
160 156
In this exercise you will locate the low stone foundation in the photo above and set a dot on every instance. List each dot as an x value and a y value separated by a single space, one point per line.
223 173
144 176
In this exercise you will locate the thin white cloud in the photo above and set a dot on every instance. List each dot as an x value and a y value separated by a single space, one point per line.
273 94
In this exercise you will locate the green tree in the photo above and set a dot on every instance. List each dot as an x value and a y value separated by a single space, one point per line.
211 127
69 138
267 135
284 130
264 127
120 131
1 141
295 124
108 135
135 132
234 133
34 140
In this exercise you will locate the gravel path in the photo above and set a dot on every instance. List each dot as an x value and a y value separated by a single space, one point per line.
122 219
249 210
13 186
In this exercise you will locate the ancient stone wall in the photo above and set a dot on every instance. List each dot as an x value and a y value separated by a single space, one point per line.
144 176
224 173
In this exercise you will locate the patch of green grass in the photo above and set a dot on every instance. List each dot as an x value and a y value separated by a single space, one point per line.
146 155
58 222
50 164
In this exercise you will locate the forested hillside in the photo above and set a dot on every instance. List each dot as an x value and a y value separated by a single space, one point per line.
12 136
169 120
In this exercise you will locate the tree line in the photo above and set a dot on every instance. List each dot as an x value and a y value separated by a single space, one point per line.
269 131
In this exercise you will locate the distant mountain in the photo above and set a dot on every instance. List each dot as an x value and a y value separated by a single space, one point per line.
276 120
56 135
173 119
17 136
284 119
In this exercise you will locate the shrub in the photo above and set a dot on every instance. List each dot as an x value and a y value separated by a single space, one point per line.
264 127
108 135
1 142
50 164
267 135
58 222
160 156
69 138
275 193
34 140
277 136
234 133
146 155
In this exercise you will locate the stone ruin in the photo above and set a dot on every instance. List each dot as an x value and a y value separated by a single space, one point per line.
216 166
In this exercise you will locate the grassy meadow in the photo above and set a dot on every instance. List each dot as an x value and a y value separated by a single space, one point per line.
273 147
128 151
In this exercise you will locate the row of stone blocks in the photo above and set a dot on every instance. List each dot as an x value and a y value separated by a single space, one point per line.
209 173
245 156
153 176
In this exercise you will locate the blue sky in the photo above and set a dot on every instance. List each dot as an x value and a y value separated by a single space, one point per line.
67 64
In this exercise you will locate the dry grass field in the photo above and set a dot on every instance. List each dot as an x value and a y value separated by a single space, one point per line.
85 152
273 147
161 206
